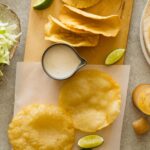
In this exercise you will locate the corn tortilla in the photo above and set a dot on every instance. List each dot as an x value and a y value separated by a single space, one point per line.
56 31
108 26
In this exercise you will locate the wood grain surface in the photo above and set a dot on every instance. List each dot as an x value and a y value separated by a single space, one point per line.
36 45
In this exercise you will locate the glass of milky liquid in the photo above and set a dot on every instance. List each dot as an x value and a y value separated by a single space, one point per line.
61 61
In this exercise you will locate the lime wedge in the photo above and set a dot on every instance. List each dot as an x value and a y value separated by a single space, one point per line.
90 141
42 4
114 56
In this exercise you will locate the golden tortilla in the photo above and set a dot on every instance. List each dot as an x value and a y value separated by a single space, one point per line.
92 98
56 31
44 127
108 26
81 3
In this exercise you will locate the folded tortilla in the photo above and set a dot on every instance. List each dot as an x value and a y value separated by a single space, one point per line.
56 31
108 26
81 3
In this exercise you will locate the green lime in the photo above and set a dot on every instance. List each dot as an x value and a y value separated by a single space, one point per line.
42 4
114 56
90 141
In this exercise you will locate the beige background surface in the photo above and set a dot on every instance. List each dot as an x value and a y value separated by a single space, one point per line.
140 73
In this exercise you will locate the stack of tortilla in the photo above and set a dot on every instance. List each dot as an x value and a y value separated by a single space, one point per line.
78 28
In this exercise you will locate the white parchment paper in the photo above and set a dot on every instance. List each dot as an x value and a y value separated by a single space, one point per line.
34 86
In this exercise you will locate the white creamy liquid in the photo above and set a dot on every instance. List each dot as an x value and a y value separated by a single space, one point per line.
60 61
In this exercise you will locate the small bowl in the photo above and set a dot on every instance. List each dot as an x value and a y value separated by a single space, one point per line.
82 64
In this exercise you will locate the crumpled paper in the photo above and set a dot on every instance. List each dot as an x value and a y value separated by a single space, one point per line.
34 86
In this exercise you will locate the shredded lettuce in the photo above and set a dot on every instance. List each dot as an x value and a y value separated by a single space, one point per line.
7 41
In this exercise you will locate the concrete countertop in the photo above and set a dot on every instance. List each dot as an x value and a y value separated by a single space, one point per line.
140 73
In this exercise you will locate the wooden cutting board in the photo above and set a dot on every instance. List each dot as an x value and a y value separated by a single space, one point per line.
36 45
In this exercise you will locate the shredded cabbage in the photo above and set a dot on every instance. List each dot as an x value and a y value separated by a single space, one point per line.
7 41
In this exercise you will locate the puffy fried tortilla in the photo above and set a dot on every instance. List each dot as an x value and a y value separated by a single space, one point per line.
81 3
75 18
56 31
38 126
92 98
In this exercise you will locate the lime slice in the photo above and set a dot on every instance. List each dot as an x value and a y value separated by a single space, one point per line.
90 141
114 56
42 4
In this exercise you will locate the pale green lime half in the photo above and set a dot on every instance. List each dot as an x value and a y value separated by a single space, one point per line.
42 4
114 56
90 141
